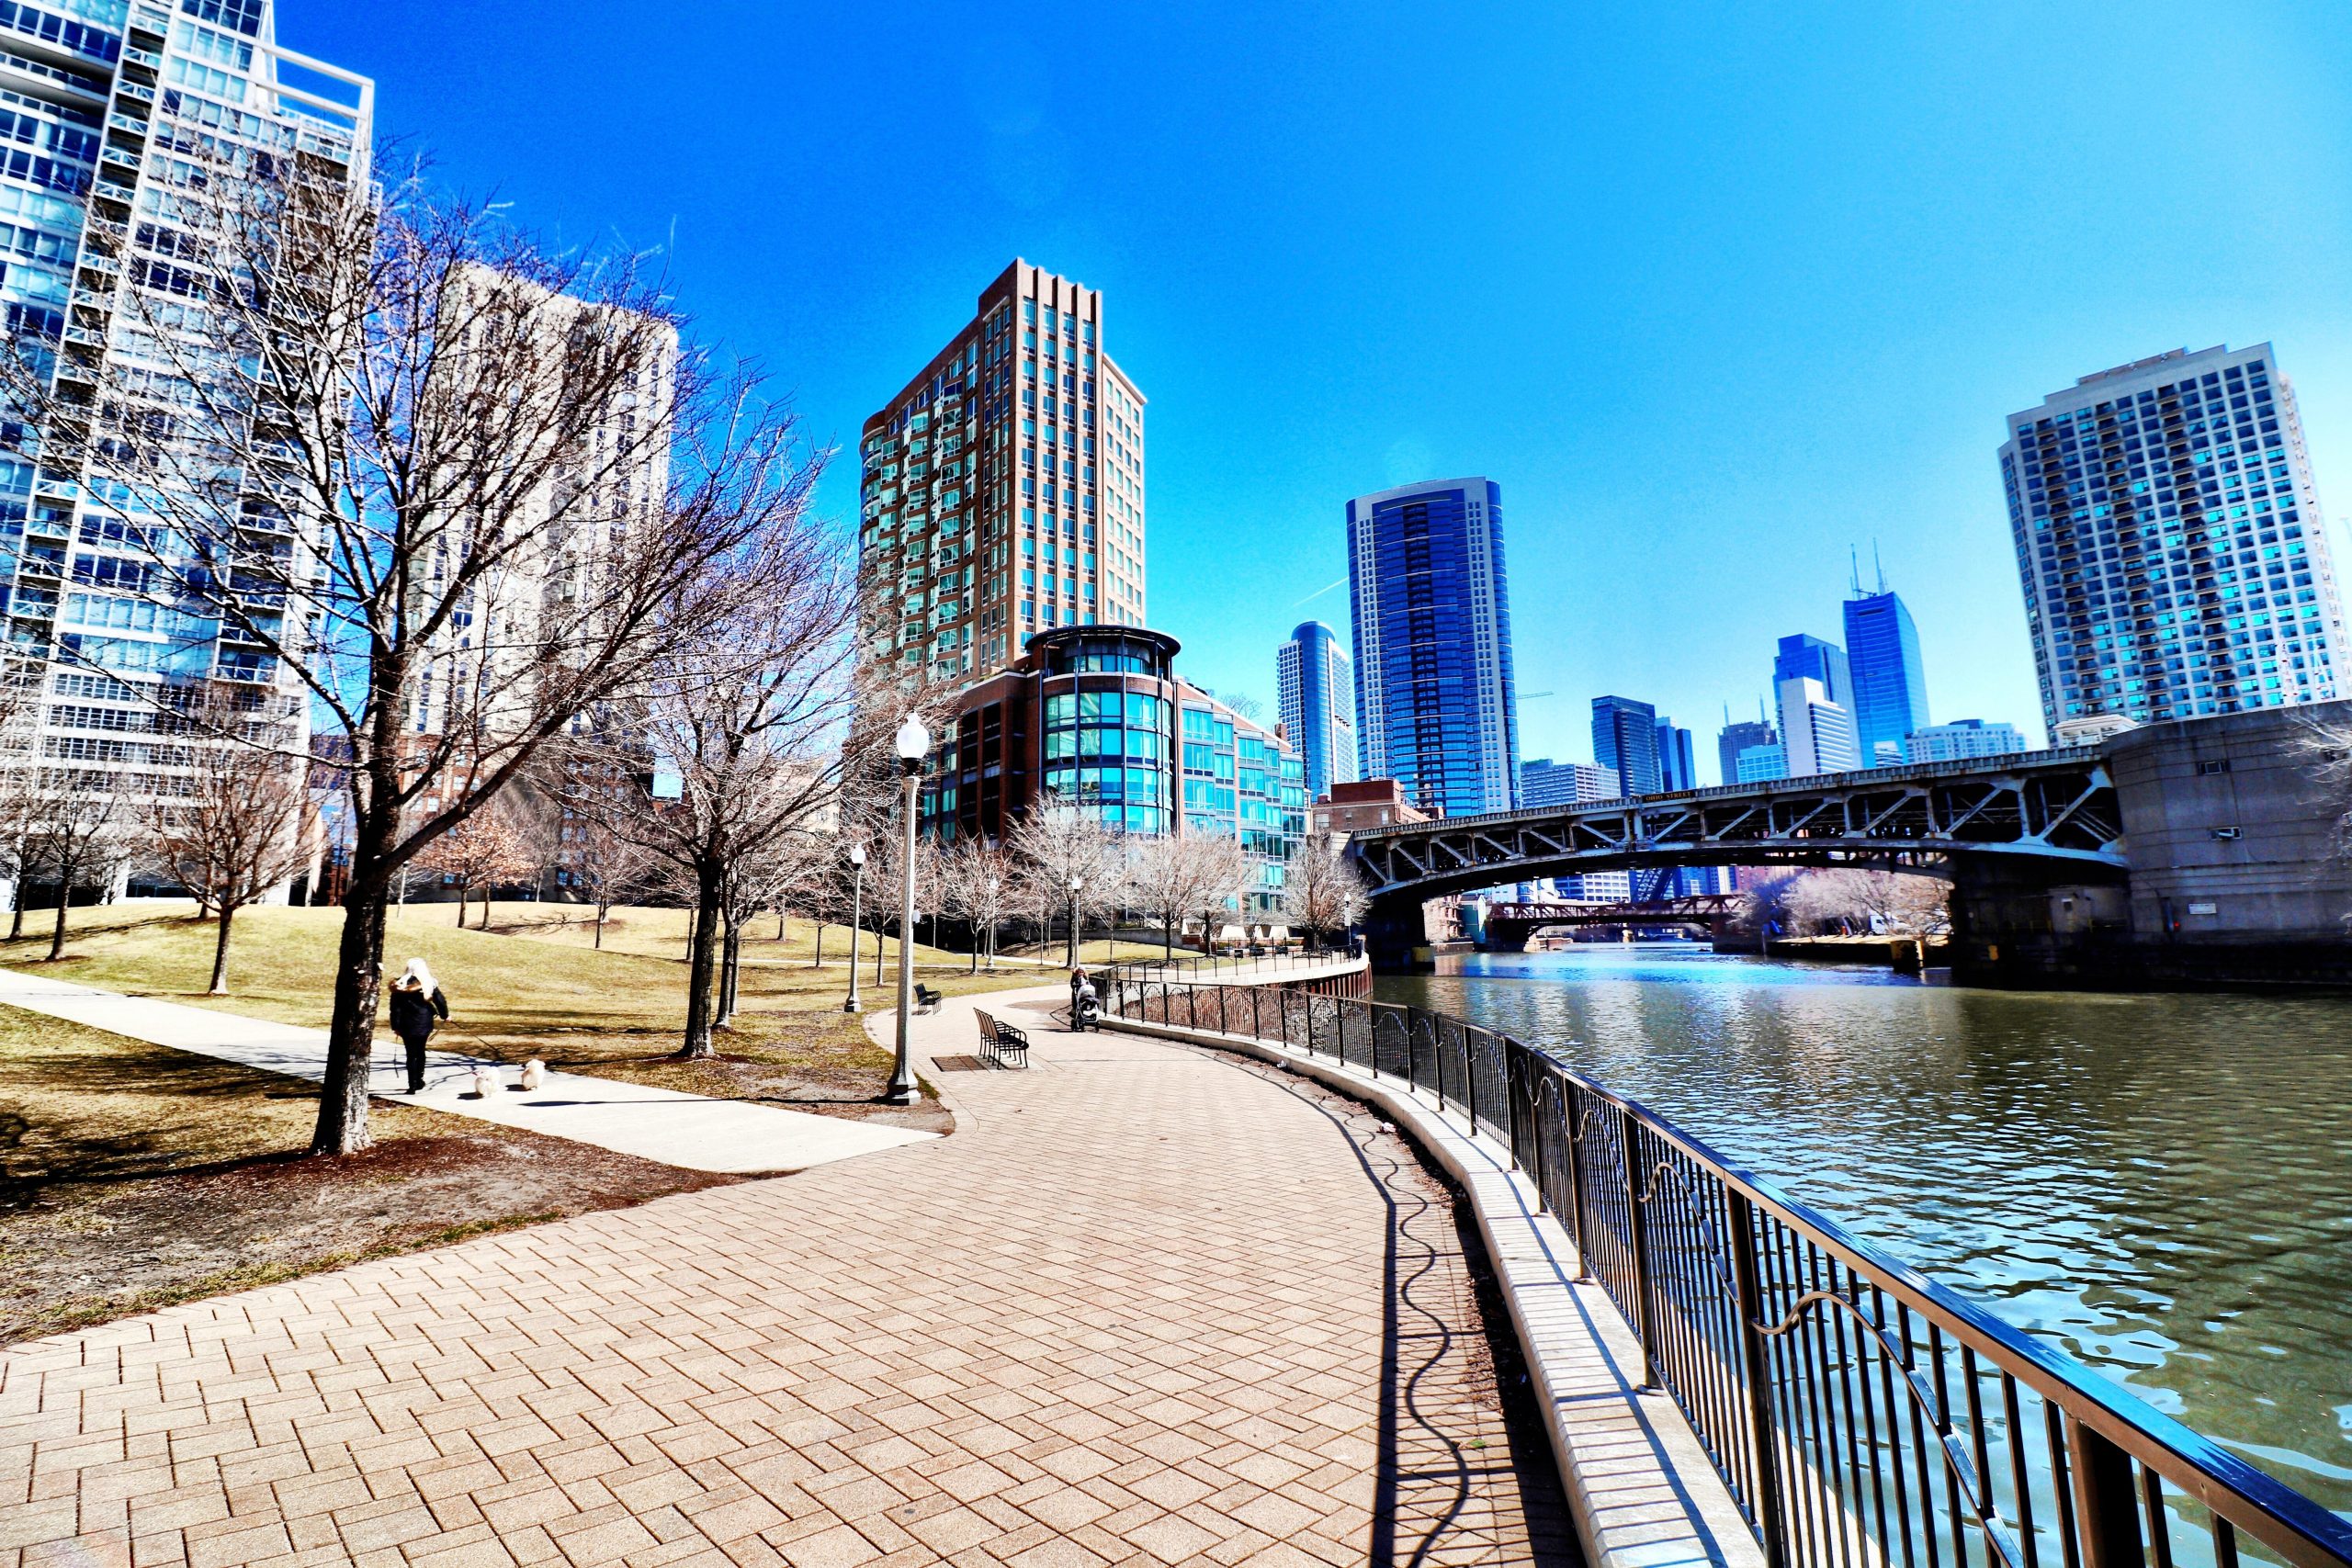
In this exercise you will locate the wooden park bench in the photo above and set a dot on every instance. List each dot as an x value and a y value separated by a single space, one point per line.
926 1000
1001 1046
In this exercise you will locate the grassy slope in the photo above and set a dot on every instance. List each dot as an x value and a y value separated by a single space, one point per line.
530 986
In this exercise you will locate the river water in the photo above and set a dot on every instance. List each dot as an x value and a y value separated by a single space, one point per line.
2159 1185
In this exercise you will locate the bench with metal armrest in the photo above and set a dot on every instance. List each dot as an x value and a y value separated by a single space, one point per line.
1001 1046
926 1000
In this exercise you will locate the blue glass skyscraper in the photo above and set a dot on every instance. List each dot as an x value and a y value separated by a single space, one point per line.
1624 737
1315 685
1436 707
1804 656
1890 686
1677 763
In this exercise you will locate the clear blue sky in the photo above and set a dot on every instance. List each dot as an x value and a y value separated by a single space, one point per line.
1713 291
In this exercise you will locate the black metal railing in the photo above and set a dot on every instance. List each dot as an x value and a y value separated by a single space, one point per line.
1204 970
1860 1414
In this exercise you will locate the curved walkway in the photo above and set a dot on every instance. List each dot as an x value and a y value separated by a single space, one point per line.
1147 1305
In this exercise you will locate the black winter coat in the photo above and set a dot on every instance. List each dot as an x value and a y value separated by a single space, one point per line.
413 1012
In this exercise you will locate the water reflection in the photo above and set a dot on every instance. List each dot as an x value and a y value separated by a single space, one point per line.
2162 1185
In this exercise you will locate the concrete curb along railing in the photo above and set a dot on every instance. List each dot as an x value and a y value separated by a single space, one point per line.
1842 1407
1641 1490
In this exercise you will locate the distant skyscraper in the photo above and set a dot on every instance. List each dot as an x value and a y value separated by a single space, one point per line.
1890 686
1543 781
1002 490
1805 656
1624 738
1818 733
1436 707
2170 543
1736 736
1761 764
1315 686
1678 765
1962 737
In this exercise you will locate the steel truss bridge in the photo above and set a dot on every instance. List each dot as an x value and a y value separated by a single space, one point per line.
2051 807
1510 925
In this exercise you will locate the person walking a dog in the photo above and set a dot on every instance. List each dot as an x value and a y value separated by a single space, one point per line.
416 1001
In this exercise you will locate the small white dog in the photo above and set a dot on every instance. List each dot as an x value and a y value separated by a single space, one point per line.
485 1082
535 1073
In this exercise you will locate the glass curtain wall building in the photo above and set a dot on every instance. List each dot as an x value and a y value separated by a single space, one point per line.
1960 738
1436 705
1314 685
1001 489
105 104
2169 542
1624 741
1890 684
1241 781
1736 737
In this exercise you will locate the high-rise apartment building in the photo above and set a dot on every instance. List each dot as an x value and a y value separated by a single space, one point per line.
1818 734
1960 738
1624 740
2169 542
1316 689
1003 487
1436 707
115 112
1738 736
1242 781
1890 684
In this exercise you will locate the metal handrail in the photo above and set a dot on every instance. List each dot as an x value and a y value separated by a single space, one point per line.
1861 1415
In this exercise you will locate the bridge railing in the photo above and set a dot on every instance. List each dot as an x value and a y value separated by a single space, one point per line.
1860 1414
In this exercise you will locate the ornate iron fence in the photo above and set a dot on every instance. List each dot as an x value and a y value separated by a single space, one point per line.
1860 1414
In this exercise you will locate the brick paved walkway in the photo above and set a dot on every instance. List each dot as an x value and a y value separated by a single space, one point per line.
1134 1310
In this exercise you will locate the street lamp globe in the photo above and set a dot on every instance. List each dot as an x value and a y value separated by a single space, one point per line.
913 742
858 855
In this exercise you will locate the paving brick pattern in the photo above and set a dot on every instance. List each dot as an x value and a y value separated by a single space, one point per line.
1134 1311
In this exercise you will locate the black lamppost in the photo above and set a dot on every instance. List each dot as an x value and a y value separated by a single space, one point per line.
912 743
856 916
1074 885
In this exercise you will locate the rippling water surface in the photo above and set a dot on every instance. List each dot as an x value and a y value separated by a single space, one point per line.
2162 1185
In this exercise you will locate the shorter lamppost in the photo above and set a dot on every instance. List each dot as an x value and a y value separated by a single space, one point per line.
912 743
995 886
856 914
1074 885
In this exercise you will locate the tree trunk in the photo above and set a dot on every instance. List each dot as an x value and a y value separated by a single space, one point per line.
1168 938
879 943
57 932
220 950
464 893
780 917
600 928
729 933
819 962
351 1036
702 942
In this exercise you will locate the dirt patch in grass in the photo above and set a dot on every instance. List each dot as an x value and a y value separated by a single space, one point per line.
132 1177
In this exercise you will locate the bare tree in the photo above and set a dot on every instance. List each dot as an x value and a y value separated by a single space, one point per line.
1889 903
976 886
1323 891
21 687
455 488
492 846
1174 878
747 716
1226 885
605 865
1069 862
235 829
77 833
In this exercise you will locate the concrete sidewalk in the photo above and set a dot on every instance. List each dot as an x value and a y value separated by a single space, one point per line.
690 1130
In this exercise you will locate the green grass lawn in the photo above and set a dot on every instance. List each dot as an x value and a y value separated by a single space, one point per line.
531 986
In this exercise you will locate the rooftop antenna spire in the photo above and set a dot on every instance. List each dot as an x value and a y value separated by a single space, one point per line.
1880 565
1854 569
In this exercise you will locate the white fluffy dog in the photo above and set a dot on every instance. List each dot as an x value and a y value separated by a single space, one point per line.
535 1073
485 1082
